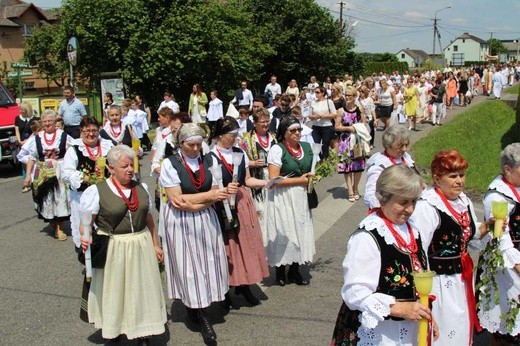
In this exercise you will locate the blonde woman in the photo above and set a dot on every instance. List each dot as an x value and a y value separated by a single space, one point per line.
197 107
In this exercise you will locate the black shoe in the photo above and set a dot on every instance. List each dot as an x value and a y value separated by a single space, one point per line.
228 302
207 331
143 341
281 279
294 275
248 295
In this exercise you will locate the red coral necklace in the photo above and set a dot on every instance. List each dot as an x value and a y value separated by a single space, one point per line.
411 247
394 162
263 144
294 153
91 155
114 133
132 205
47 141
197 183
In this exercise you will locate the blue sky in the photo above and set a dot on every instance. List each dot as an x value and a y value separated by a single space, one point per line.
391 25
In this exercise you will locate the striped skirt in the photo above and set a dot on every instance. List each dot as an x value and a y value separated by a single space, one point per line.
195 258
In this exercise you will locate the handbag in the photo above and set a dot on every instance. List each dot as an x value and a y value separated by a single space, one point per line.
312 198
358 151
98 249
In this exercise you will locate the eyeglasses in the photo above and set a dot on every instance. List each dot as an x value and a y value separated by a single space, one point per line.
90 131
284 104
298 129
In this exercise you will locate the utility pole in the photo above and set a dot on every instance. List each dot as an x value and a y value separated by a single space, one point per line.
436 31
341 5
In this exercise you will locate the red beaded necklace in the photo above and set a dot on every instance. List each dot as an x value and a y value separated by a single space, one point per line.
411 247
461 218
53 138
294 153
513 189
166 135
224 162
115 134
132 205
197 183
394 162
91 155
263 144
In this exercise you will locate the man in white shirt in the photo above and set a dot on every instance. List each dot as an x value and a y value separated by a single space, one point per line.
243 96
272 89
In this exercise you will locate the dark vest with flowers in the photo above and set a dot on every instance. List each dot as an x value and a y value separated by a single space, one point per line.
446 247
186 184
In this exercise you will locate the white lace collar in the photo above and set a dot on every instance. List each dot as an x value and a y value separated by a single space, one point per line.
432 197
381 159
106 145
374 222
119 138
499 185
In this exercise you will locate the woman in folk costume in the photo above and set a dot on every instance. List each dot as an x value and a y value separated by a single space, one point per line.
43 154
446 219
256 144
289 235
126 295
504 188
195 256
114 130
244 246
379 295
80 170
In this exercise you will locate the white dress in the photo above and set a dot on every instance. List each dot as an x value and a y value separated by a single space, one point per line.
73 178
56 204
507 278
361 268
289 232
450 309
126 297
374 167
195 256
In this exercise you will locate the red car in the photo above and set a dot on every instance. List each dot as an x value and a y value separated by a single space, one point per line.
9 110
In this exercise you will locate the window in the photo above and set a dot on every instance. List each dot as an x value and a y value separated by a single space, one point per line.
463 40
402 56
27 29
28 85
455 48
457 59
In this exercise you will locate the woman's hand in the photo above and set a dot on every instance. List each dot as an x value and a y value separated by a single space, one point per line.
257 163
486 226
232 188
435 328
306 177
412 311
219 195
85 243
180 203
159 253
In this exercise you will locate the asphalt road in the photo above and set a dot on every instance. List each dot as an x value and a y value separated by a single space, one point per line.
41 280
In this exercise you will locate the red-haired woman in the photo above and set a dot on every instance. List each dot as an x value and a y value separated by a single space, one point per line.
447 222
197 107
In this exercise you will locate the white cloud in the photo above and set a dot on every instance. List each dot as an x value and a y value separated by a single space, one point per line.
415 15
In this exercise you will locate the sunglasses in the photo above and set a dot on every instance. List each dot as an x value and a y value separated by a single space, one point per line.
317 92
298 129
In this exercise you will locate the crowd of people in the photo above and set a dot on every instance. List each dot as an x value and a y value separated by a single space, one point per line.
233 198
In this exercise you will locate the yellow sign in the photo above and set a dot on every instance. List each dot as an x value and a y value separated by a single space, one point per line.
54 102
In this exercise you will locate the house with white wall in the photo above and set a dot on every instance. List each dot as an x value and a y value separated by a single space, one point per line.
466 47
414 57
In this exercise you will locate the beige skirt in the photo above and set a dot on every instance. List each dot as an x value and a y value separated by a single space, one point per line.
126 297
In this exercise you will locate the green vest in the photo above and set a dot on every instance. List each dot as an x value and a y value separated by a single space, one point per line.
292 165
113 212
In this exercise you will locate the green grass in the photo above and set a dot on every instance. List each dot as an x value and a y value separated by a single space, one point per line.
512 90
479 134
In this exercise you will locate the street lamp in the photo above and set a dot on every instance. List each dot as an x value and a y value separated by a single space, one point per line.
435 31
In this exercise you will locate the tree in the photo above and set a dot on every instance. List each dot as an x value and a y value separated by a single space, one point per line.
496 47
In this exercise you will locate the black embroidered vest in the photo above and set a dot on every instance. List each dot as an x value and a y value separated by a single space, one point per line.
395 276
61 149
446 247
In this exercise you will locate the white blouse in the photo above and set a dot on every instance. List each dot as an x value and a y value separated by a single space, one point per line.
90 198
69 173
29 151
169 176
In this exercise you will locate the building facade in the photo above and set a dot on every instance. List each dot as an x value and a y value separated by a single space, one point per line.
464 48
